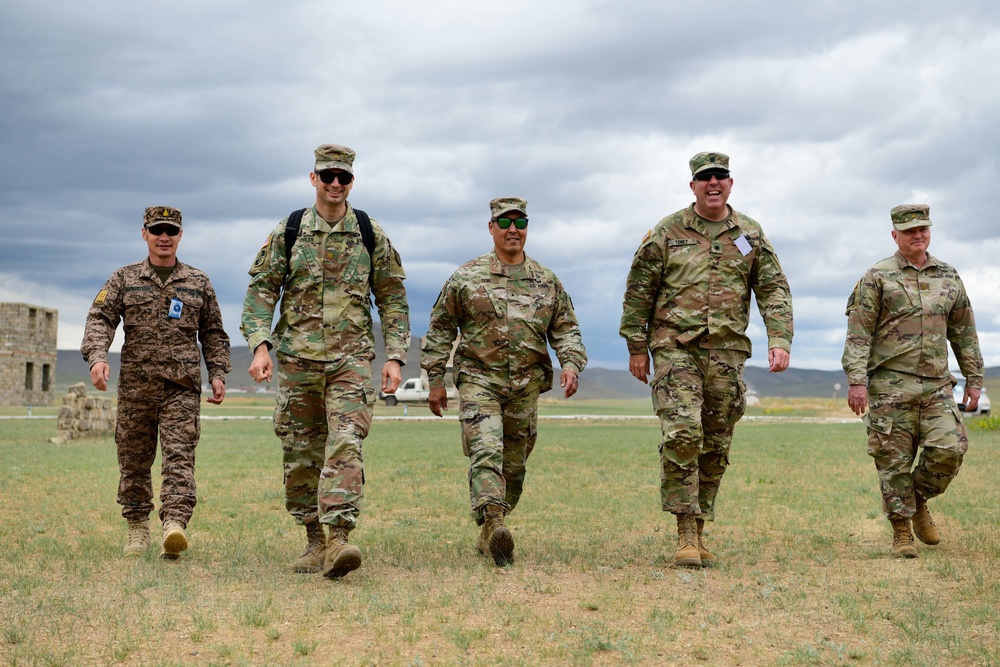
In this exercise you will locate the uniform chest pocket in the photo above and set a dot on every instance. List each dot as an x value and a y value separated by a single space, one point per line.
190 308
481 306
140 307
681 265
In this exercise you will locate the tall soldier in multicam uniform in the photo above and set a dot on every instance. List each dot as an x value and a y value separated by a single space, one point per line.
508 308
687 301
168 308
900 316
325 347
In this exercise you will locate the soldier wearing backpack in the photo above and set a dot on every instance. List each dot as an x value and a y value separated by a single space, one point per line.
325 263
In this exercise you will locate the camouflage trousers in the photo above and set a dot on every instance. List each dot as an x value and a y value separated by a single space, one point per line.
699 396
907 412
323 411
173 412
499 429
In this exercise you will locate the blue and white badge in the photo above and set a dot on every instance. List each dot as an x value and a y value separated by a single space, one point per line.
176 306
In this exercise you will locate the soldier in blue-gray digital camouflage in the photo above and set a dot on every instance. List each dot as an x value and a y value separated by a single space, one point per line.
902 315
166 308
507 308
325 345
687 302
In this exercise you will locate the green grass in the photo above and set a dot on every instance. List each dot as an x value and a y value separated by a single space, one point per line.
804 576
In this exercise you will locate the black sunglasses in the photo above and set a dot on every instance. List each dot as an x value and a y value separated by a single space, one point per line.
328 176
159 230
707 175
504 223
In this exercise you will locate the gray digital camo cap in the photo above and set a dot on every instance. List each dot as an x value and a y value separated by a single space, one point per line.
908 216
504 204
334 156
705 161
167 215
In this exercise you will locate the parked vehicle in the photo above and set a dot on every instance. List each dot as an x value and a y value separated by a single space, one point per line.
413 390
984 401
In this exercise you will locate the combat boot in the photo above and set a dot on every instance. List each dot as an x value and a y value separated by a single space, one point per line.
902 539
311 561
501 542
138 538
923 524
687 542
174 540
341 557
483 541
707 557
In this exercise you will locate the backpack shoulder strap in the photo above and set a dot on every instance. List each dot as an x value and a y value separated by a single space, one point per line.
368 236
292 233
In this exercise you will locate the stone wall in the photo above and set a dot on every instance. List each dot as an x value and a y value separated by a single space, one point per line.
83 416
27 354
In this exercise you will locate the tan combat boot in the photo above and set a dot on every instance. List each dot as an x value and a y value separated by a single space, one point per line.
707 557
902 539
501 542
483 541
174 540
341 557
311 561
923 524
687 542
138 538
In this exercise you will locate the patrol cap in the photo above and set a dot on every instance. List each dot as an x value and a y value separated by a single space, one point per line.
162 215
504 204
908 216
705 161
334 156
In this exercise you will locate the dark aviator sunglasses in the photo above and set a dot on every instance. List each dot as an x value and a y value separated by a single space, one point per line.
328 176
159 230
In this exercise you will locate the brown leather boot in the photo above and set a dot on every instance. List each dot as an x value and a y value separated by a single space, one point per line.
311 561
138 538
902 539
483 541
923 524
341 557
501 542
687 542
174 540
707 557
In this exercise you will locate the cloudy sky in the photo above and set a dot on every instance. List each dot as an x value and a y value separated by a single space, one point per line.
833 112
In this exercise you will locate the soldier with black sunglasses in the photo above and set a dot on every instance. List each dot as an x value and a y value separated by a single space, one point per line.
168 308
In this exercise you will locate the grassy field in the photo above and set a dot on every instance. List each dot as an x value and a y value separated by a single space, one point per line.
804 576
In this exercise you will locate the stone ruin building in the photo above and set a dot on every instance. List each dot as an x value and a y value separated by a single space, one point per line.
27 354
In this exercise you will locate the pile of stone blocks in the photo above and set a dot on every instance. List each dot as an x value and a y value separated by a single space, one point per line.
83 416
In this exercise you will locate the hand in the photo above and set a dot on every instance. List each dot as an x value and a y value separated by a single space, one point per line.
857 398
391 376
778 359
218 391
570 381
261 366
638 366
99 375
971 398
437 400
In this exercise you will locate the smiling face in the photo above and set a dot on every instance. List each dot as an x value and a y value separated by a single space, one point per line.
710 196
162 246
509 243
331 198
913 243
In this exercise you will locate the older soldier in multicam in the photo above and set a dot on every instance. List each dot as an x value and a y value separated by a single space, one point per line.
325 346
168 308
508 307
687 301
901 316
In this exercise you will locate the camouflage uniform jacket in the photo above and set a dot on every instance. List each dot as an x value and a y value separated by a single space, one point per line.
899 318
158 347
685 287
507 316
325 312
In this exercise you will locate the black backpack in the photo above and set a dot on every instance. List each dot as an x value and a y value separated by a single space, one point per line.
367 235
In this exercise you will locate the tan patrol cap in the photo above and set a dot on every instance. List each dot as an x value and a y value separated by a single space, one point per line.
504 204
334 156
705 161
165 215
908 216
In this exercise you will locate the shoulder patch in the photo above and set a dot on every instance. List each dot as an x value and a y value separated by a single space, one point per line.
101 296
649 232
261 260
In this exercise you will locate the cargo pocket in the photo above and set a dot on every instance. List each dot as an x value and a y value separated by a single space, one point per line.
659 387
879 428
469 416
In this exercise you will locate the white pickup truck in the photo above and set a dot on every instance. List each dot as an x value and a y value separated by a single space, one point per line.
410 391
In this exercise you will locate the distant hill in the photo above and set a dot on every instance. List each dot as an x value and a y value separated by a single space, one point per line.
596 383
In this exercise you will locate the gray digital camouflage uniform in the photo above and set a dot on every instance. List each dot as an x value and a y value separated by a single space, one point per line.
324 343
159 384
687 301
900 321
507 316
